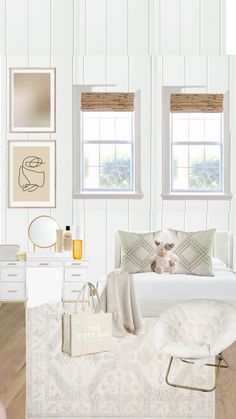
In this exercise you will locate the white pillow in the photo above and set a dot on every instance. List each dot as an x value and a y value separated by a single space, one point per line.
218 263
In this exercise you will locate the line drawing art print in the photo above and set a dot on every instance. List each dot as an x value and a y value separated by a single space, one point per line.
31 176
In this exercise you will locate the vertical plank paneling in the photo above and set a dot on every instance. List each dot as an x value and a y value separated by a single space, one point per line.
96 27
17 220
156 143
218 73
62 26
95 240
2 26
17 26
39 23
3 125
217 216
173 70
79 26
195 70
63 211
96 236
78 204
174 215
117 210
195 216
170 26
101 34
36 60
190 18
140 79
94 66
210 27
138 26
117 28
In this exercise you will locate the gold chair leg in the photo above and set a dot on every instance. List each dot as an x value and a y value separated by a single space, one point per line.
205 390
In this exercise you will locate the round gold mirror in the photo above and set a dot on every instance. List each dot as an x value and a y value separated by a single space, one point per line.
42 231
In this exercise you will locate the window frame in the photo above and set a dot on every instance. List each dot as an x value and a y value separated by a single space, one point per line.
78 191
167 192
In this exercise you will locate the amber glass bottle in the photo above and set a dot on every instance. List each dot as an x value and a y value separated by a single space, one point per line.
77 243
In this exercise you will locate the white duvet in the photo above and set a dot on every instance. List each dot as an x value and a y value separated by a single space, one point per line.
150 285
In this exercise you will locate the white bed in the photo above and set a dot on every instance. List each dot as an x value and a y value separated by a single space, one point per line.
157 292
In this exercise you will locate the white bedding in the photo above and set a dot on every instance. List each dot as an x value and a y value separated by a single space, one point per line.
151 287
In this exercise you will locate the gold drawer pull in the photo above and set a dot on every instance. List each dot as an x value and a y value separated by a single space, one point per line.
76 263
76 274
75 291
12 291
12 263
44 264
12 275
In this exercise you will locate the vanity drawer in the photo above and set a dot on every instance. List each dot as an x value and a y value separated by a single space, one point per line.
12 291
76 274
12 274
44 264
71 290
77 263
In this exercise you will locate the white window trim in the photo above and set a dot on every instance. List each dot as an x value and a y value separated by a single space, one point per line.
77 190
166 152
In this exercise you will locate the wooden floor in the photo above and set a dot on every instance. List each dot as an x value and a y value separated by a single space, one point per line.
226 391
12 368
12 359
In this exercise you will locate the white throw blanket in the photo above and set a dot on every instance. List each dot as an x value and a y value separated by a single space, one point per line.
119 298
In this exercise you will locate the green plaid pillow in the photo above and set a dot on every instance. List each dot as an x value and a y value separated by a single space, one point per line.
136 250
195 251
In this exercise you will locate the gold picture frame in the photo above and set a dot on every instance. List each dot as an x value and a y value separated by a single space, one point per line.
32 100
32 174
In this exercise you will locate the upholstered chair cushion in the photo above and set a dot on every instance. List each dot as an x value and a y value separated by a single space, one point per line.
196 329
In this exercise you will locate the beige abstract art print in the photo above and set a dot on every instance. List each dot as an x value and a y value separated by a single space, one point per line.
32 167
32 100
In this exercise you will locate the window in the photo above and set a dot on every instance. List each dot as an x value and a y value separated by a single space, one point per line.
109 149
197 147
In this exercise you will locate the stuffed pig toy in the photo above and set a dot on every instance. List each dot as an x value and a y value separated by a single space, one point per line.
164 260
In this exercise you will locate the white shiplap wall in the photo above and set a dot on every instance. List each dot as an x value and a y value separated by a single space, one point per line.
135 44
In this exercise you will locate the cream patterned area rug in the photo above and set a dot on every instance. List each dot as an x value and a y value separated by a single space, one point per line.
128 382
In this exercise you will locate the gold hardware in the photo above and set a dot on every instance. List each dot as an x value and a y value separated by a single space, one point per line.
220 358
75 291
12 275
76 274
76 263
12 291
44 264
12 263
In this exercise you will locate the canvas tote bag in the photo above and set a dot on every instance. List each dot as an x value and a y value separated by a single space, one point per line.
84 331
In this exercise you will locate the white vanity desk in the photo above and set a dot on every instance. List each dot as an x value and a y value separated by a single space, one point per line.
42 279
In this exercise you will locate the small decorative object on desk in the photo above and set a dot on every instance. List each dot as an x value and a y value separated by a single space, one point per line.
67 239
21 256
9 251
59 242
77 243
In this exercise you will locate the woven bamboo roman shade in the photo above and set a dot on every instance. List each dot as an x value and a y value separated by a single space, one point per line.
196 102
100 101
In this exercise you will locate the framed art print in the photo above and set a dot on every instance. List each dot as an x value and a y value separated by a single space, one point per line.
32 100
32 174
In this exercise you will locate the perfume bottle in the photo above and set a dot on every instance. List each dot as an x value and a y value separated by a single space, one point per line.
77 243
67 239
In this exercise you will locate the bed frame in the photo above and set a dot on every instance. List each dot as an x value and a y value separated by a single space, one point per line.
223 248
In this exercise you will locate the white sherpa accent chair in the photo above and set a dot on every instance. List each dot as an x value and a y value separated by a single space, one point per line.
196 330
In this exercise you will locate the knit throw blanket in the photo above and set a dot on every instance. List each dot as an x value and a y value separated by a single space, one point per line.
119 298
